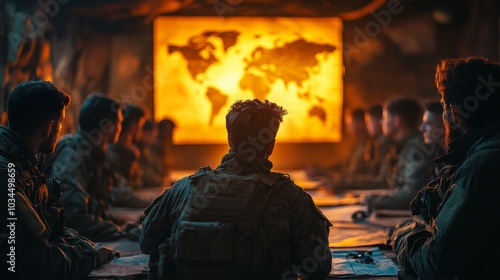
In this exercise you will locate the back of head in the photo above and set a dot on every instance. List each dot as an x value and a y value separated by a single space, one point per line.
253 124
375 111
149 125
97 111
166 130
408 109
471 85
34 103
166 125
132 113
358 115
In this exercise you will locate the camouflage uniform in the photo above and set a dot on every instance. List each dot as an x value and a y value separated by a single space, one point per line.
38 253
82 167
408 168
124 162
296 231
160 159
375 151
150 174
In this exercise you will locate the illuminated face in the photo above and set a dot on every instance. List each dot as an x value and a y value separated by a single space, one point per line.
388 124
48 145
116 130
149 136
137 130
349 125
432 128
373 125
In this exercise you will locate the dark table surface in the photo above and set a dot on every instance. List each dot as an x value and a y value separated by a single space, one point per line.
338 208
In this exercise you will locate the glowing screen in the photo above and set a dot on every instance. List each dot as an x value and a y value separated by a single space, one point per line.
203 64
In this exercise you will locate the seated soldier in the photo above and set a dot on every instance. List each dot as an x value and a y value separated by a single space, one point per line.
35 242
378 144
408 164
150 176
241 219
80 163
460 207
354 161
161 149
124 156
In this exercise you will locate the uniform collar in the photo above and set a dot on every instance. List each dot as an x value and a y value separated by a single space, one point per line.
14 143
245 163
402 143
458 148
97 153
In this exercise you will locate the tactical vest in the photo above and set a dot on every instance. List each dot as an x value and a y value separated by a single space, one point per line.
219 233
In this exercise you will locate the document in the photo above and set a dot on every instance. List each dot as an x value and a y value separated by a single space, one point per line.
123 266
349 263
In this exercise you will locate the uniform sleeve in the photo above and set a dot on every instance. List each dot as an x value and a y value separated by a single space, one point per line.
46 260
36 256
82 211
465 228
309 231
413 171
160 216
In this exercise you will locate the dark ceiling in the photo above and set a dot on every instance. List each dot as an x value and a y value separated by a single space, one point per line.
148 9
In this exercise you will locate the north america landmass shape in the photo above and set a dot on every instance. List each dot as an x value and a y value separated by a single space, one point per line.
292 62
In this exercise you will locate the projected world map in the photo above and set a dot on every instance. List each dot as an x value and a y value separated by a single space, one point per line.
202 73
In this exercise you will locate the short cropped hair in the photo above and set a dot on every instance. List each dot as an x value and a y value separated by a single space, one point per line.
253 120
434 107
472 85
375 111
97 109
166 125
131 113
408 109
31 104
149 125
358 114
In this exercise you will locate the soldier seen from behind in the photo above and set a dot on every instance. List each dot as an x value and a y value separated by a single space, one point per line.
239 220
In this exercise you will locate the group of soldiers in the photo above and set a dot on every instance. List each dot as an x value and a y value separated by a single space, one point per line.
241 219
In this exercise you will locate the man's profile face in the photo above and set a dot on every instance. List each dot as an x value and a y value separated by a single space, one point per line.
388 124
116 130
373 125
432 128
137 129
48 145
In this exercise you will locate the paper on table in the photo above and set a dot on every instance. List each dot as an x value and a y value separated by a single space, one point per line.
342 267
124 266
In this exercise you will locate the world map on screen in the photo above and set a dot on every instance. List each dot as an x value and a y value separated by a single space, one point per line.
202 71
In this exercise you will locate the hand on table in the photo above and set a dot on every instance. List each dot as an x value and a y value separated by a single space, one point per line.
131 231
105 254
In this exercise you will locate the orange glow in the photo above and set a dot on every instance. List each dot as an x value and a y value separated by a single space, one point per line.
203 64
